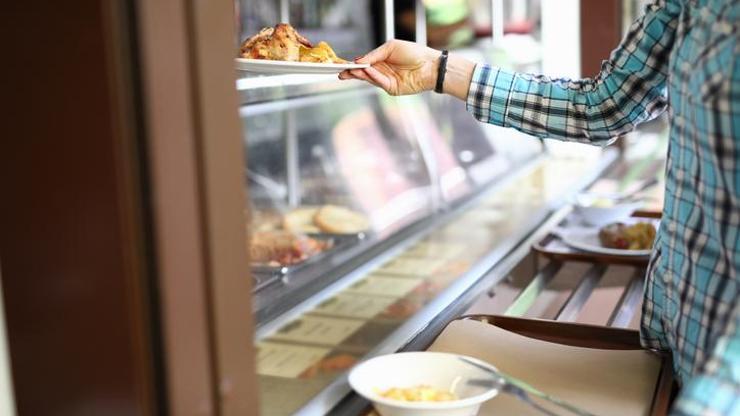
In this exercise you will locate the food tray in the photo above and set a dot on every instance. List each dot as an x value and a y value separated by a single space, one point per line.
283 269
552 247
590 336
337 243
262 280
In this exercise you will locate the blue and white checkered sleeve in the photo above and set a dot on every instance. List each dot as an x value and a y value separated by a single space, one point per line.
629 89
716 389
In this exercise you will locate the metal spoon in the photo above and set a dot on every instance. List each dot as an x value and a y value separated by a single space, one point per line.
521 390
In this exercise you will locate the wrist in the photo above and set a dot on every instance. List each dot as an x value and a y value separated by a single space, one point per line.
458 76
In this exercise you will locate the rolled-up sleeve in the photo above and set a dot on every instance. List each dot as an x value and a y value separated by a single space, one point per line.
630 88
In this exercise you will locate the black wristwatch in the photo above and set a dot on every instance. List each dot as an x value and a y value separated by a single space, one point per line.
441 71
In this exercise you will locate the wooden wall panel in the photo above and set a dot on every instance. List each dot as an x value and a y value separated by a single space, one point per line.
72 245
196 152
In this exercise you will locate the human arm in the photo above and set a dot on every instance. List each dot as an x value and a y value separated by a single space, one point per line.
403 68
630 88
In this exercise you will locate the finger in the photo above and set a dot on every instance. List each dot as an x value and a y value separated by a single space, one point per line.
378 77
360 74
378 54
345 75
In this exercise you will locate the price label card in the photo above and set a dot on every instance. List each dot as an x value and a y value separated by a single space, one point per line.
392 287
436 250
349 305
317 330
281 360
410 266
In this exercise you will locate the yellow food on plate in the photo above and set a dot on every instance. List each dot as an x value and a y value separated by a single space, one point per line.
637 236
322 53
340 220
418 394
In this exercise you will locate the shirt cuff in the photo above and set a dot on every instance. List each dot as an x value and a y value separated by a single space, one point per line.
488 95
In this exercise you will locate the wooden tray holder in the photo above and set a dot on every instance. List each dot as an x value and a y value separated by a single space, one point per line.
590 336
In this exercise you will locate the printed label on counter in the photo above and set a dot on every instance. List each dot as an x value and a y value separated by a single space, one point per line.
436 250
385 286
409 266
353 306
290 361
317 330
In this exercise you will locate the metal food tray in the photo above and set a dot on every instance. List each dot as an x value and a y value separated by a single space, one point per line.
265 275
261 280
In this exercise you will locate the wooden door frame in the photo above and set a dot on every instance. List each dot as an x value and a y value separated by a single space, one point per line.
122 243
79 291
197 169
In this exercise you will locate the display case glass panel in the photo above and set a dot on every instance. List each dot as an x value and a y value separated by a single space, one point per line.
352 150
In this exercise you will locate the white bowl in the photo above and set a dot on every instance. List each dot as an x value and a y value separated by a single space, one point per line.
591 212
411 369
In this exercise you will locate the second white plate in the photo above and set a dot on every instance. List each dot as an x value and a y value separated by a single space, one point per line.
264 66
587 239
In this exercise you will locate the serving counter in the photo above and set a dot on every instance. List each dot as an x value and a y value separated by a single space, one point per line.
447 199
447 207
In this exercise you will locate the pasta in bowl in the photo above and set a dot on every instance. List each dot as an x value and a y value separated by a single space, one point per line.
421 383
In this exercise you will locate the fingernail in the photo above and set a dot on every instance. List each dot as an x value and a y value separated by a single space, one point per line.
359 57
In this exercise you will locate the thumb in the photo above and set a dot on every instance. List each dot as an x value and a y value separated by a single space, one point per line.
378 54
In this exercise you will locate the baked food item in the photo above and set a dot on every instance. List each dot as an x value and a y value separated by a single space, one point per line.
322 53
300 220
280 43
340 220
639 236
284 43
282 248
265 220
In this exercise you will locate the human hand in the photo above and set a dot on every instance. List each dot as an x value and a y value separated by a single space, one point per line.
398 67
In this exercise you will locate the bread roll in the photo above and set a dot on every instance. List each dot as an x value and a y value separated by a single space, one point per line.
339 220
300 220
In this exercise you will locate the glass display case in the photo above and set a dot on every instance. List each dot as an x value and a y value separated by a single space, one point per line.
369 215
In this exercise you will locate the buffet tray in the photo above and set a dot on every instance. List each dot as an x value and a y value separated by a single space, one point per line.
266 275
590 336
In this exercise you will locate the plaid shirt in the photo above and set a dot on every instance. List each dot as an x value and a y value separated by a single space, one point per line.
684 56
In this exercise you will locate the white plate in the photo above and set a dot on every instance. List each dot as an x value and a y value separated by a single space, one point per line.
587 239
265 66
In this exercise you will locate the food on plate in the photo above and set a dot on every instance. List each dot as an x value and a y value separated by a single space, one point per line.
637 236
281 248
284 43
301 220
340 220
281 43
418 394
322 53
